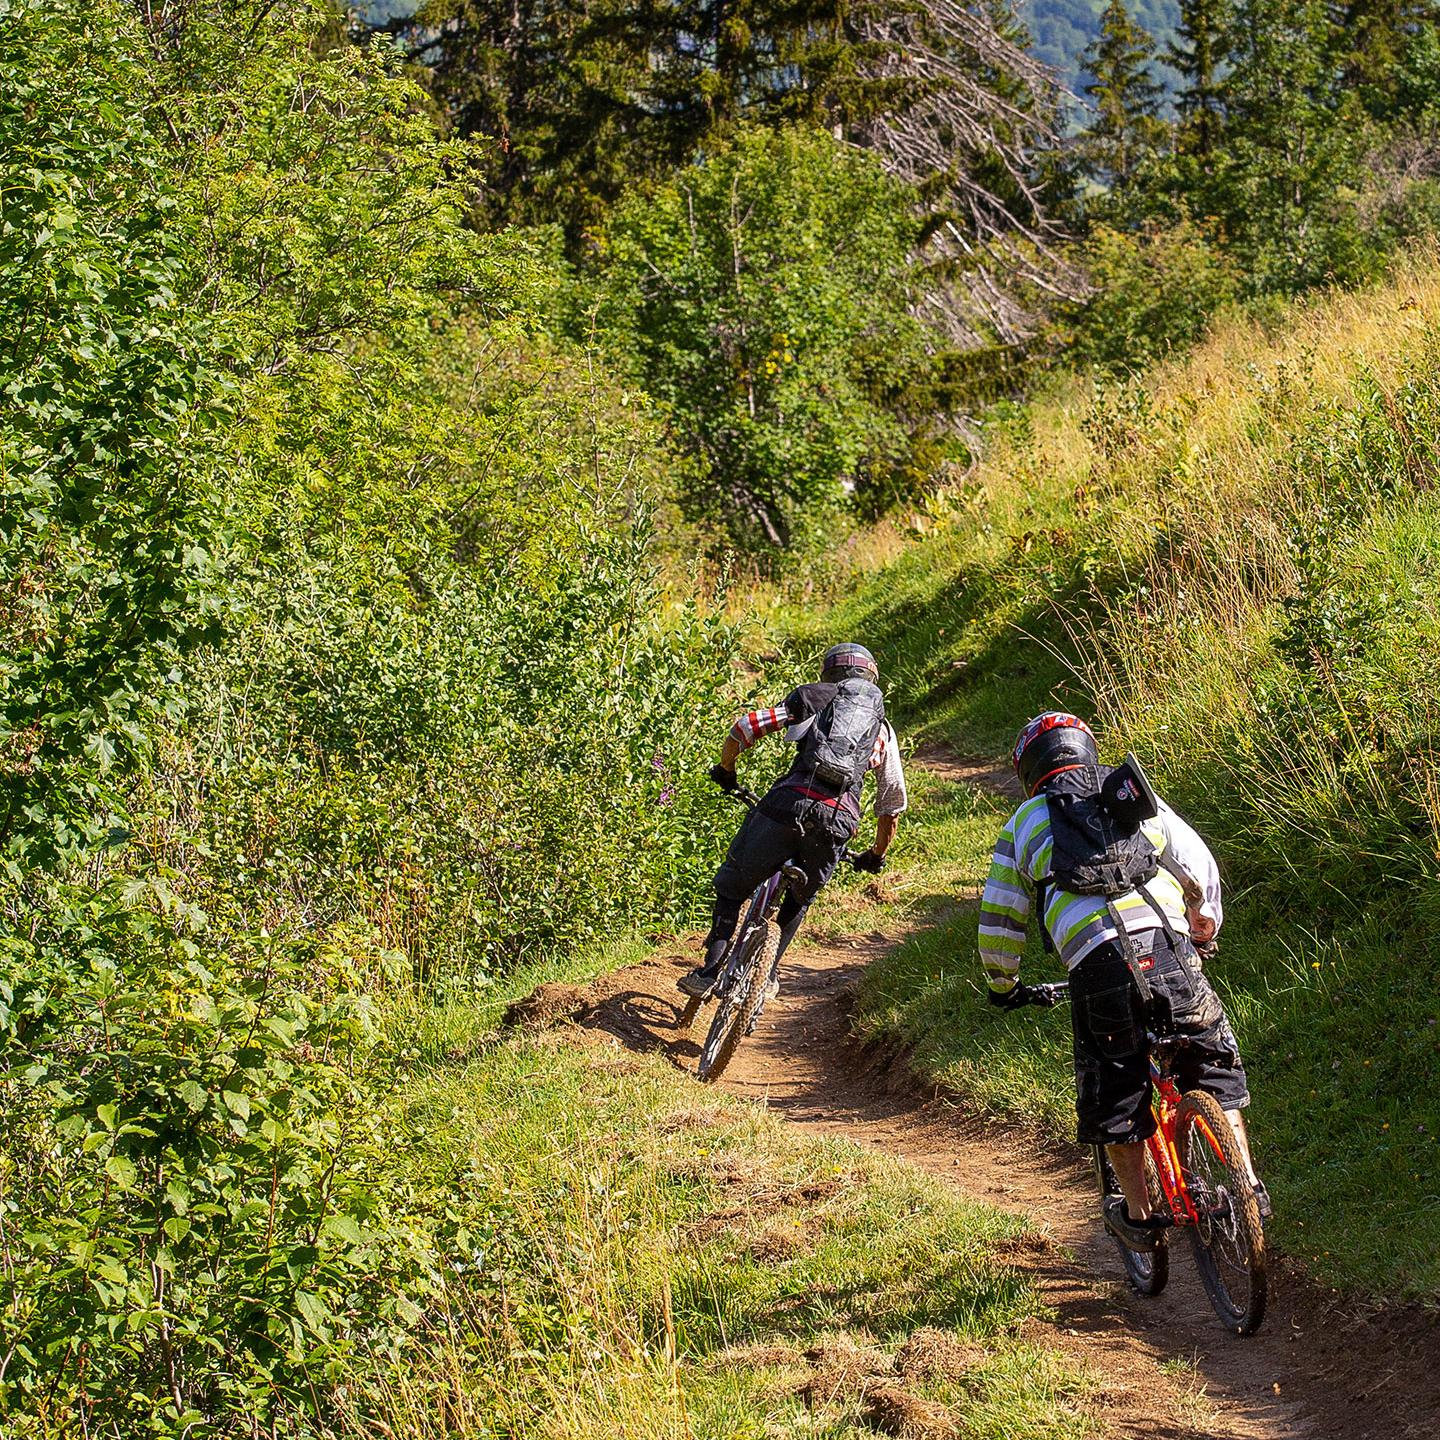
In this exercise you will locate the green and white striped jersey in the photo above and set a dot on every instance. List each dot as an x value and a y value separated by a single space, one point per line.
1078 923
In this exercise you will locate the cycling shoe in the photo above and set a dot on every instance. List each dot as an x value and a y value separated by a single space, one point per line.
697 984
1134 1234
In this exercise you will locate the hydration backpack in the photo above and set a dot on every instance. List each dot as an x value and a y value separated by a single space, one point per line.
836 749
1099 847
1096 853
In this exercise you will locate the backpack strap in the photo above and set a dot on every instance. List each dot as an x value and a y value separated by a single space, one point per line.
1171 934
1127 949
1047 945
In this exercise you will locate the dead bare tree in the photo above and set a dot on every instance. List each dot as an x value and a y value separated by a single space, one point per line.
975 115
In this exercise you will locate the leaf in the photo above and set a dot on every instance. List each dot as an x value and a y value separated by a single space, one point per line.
312 1310
343 1227
121 1169
237 1104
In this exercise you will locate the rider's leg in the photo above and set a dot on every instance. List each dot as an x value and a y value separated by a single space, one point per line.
1112 1070
723 921
1242 1138
759 848
818 857
1128 1162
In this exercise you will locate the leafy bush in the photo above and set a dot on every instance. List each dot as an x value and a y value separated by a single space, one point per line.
764 297
338 673
1154 290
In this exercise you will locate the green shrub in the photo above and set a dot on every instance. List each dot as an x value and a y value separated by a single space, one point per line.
338 672
764 297
1153 290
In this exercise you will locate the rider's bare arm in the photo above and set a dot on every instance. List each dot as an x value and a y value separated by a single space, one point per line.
730 752
885 828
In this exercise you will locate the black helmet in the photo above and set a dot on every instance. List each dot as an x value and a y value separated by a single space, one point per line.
1050 743
849 661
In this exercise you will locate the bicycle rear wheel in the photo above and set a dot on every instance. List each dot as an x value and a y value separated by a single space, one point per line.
758 948
1148 1271
688 1014
1228 1237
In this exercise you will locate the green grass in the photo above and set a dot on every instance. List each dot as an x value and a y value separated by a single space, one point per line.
631 1254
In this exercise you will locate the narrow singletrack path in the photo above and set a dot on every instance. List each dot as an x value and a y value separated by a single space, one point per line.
1319 1369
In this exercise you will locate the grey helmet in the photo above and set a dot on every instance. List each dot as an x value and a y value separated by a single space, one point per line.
847 657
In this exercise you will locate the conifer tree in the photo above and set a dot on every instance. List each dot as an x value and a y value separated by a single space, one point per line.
1375 40
1287 154
1198 53
1126 130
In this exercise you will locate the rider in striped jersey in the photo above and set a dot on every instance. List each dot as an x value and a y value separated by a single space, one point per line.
1165 920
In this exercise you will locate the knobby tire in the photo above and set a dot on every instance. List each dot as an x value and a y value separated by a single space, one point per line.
759 948
1229 1239
1148 1271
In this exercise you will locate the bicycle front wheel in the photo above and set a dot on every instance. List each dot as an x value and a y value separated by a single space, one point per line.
1148 1271
752 968
1228 1237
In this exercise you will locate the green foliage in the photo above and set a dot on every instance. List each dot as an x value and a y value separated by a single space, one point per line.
338 676
1063 29
109 395
1287 155
764 297
1126 100
1153 290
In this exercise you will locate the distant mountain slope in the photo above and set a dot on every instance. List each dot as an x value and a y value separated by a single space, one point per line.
1063 28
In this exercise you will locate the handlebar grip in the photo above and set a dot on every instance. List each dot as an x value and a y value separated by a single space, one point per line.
1053 992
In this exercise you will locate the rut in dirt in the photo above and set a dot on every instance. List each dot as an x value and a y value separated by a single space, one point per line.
1320 1369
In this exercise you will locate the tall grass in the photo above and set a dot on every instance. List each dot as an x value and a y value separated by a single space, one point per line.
1232 564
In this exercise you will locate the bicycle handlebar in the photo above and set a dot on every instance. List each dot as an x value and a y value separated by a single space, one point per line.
1053 992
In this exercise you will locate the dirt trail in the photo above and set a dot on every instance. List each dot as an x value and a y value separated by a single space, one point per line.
1318 1370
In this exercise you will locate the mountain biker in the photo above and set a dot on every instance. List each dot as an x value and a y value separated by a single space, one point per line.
1165 919
795 820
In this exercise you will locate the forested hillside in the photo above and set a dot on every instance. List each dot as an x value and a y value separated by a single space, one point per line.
1062 30
422 430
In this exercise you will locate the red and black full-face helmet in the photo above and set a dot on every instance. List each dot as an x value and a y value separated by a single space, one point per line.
1049 744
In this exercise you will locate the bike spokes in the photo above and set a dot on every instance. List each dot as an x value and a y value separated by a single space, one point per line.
1229 1241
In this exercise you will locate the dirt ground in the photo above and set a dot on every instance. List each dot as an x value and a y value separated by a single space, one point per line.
1320 1368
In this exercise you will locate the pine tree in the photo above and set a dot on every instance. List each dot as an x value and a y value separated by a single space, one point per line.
1375 41
584 98
1199 52
1126 130
1286 161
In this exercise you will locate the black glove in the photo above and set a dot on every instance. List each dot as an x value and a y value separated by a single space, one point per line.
725 779
869 862
1208 951
1012 999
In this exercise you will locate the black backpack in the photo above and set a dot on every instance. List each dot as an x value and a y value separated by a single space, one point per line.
835 751
1099 847
1094 853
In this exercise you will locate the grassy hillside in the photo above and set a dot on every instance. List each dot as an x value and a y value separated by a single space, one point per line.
609 1240
1231 565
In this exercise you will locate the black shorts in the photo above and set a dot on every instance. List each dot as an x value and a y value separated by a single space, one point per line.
763 844
1112 1061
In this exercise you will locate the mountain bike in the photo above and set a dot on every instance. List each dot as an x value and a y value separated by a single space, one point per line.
748 973
1197 1178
